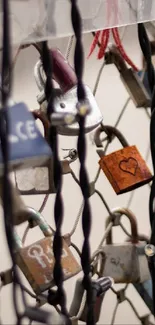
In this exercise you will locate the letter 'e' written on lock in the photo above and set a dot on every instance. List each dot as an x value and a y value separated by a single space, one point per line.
24 131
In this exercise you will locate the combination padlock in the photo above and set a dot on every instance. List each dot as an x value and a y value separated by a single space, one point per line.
126 262
99 288
125 169
130 79
37 260
67 102
27 146
40 180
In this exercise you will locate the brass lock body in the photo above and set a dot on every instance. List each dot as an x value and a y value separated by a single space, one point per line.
36 261
126 262
125 169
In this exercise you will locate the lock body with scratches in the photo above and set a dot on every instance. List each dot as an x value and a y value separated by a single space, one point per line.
125 169
27 146
37 260
126 262
67 102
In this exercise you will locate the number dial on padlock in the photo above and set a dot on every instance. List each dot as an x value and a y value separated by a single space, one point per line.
126 262
125 169
37 260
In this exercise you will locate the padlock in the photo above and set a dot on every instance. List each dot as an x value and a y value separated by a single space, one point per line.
67 102
130 79
37 260
27 146
125 169
126 262
40 180
99 288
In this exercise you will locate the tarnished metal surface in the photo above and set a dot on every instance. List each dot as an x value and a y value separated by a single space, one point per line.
126 263
37 263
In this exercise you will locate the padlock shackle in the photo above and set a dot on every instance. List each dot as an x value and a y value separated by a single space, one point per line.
110 131
134 229
36 216
37 114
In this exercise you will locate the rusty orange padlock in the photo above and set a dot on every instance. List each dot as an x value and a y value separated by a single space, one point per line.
37 260
125 169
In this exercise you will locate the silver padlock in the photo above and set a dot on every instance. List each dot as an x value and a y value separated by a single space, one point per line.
126 262
67 102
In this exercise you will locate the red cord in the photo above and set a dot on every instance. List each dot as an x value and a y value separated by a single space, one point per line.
104 43
94 43
121 49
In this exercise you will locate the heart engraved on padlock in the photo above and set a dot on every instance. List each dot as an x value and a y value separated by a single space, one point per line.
125 169
129 165
67 102
126 262
37 260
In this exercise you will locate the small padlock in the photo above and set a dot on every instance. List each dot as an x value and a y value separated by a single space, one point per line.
126 262
27 146
37 260
67 102
130 79
125 169
99 288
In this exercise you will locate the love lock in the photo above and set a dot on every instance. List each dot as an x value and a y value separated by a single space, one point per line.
40 180
37 260
67 102
125 169
27 146
127 262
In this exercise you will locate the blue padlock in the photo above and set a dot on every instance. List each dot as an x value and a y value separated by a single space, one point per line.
27 146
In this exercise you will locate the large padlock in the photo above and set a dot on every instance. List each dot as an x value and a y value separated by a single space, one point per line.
126 262
125 169
27 146
67 102
99 288
37 260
